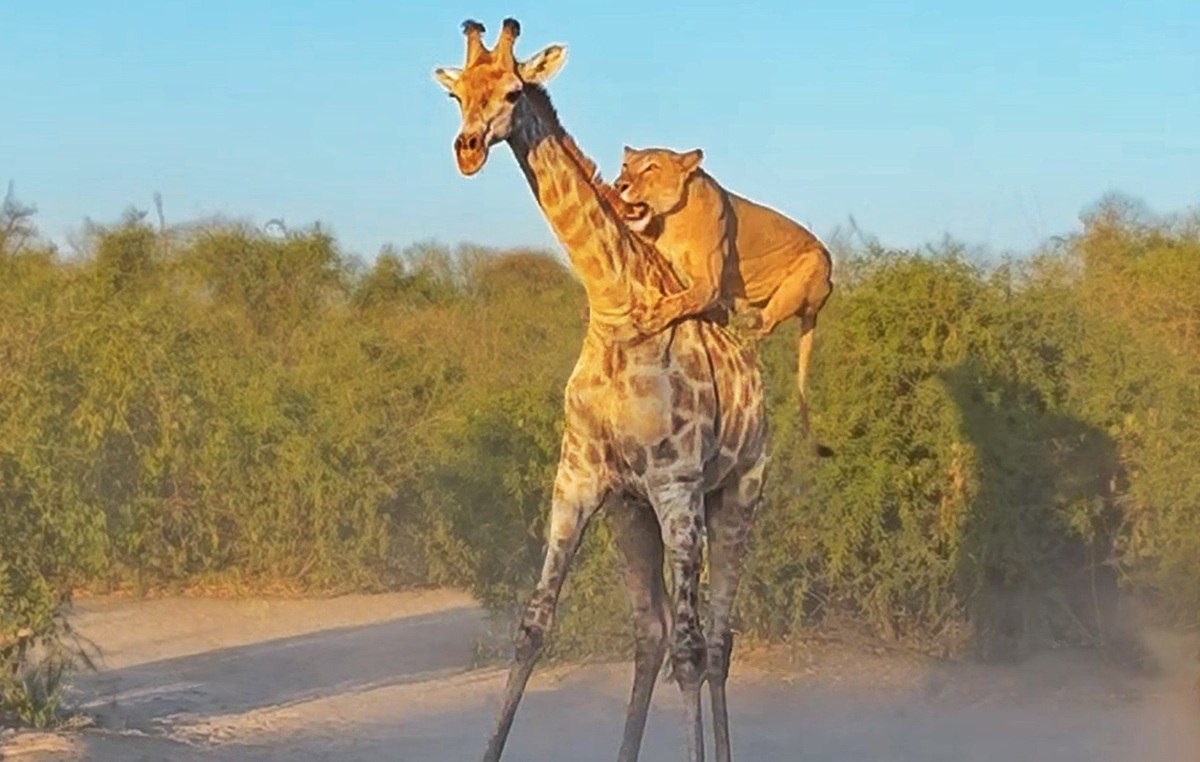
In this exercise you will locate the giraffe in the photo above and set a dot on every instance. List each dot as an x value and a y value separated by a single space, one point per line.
665 431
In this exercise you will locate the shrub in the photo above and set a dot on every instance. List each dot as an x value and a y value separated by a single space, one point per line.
210 405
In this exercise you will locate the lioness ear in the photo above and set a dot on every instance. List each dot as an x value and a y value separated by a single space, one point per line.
539 69
627 153
447 76
691 159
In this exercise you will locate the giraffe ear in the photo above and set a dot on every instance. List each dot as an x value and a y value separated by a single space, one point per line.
447 77
542 67
691 160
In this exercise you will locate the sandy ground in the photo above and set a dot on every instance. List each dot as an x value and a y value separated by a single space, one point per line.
390 677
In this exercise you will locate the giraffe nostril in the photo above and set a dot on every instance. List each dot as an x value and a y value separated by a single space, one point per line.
472 142
458 143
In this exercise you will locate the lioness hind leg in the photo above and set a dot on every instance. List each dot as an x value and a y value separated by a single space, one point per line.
802 290
808 325
802 293
814 301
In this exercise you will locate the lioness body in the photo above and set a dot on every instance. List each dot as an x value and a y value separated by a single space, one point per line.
780 266
730 250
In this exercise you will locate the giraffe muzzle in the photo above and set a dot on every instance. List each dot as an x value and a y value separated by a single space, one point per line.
470 152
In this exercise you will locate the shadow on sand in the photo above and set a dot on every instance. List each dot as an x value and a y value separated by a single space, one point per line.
283 671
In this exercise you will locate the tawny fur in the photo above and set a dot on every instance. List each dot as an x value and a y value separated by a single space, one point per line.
731 251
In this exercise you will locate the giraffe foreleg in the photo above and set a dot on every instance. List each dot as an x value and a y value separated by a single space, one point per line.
577 495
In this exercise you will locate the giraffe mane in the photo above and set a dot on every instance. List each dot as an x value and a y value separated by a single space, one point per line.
648 260
607 192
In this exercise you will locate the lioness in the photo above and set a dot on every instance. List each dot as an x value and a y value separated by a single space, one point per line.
731 251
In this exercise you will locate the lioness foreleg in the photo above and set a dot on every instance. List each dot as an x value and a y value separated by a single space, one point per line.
701 267
652 318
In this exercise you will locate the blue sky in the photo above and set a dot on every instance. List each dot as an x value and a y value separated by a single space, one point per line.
995 124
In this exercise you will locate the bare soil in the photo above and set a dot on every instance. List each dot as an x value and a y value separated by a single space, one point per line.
392 677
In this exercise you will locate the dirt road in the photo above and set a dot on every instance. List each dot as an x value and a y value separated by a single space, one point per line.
390 678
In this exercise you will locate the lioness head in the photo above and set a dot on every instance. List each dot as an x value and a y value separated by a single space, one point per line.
652 182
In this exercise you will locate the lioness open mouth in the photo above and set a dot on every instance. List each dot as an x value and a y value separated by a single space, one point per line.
636 215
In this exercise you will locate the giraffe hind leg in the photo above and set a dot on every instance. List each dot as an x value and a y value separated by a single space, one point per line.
639 544
679 507
731 515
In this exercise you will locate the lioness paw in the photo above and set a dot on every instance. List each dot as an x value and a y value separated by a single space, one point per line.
642 316
750 319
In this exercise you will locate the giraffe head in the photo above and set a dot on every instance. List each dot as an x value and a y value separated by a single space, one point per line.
489 87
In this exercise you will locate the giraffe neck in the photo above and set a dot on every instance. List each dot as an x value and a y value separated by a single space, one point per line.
613 265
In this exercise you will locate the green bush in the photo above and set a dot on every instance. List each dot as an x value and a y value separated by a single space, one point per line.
212 406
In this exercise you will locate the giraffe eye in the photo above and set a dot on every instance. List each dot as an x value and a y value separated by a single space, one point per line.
512 95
